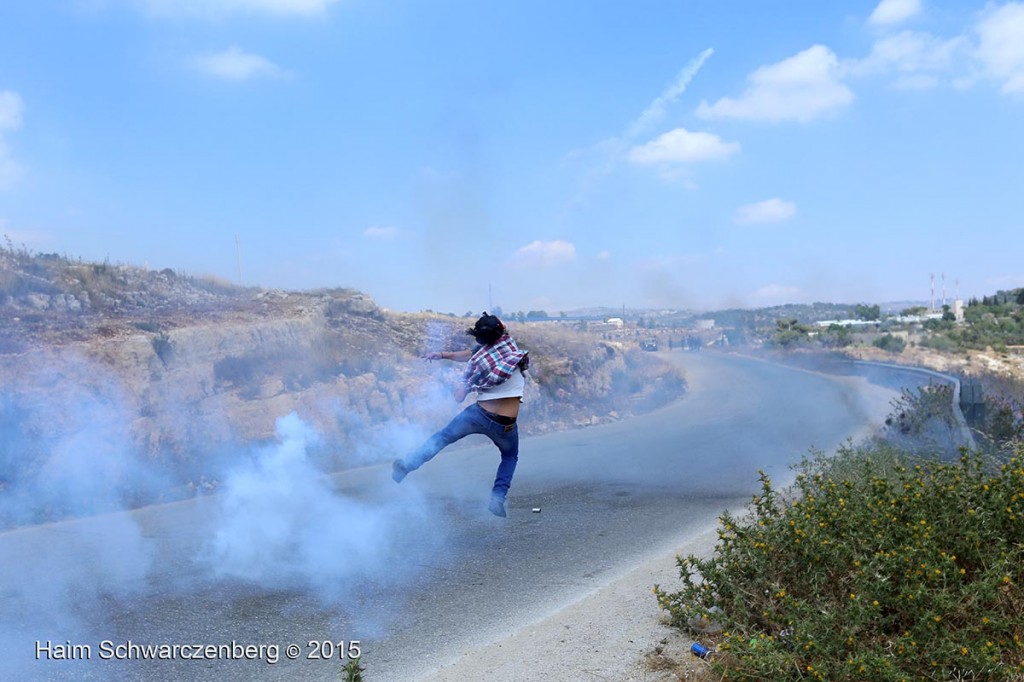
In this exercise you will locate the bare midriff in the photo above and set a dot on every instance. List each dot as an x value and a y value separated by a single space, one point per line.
506 407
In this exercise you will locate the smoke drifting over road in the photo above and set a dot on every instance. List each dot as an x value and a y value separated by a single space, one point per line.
276 523
54 578
281 524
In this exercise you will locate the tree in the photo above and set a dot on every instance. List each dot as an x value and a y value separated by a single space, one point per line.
789 333
867 312
837 336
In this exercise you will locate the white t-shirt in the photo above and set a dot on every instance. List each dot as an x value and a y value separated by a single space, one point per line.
513 387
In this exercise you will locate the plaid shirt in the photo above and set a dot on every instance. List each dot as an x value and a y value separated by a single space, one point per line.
492 365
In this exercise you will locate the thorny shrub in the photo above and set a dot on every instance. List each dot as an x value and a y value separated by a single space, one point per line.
876 567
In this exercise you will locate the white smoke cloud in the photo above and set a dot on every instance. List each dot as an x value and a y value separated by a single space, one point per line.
279 521
56 578
281 524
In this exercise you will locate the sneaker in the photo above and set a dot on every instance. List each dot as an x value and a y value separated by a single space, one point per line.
398 470
497 506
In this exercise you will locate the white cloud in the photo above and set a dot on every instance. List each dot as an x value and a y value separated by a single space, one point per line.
11 110
800 88
768 211
604 256
11 113
385 232
544 254
917 81
889 12
909 54
777 294
236 64
1001 45
220 8
682 146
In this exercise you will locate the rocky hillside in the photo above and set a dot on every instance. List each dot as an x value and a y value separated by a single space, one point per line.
186 373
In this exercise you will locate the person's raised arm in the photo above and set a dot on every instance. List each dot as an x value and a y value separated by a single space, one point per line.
457 355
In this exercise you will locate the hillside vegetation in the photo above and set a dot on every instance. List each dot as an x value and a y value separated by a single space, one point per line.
882 563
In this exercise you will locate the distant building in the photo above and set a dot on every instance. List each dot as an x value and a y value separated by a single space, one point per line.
705 325
844 323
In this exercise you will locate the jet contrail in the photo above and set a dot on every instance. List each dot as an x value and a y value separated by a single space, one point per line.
653 113
611 150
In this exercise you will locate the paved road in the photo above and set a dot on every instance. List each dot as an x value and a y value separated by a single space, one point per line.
419 572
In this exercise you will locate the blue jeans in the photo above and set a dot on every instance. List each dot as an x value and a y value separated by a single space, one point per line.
471 420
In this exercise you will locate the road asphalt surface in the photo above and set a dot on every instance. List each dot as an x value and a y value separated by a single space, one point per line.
419 586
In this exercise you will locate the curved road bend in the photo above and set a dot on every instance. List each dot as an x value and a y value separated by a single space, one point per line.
610 496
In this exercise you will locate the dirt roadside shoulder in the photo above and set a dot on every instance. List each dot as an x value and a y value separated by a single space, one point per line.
606 635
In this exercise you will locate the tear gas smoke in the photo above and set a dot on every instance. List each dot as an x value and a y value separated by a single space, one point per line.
278 523
281 524
54 577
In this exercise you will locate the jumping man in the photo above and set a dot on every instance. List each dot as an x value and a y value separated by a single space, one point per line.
494 371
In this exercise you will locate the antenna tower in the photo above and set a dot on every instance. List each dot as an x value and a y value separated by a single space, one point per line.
932 305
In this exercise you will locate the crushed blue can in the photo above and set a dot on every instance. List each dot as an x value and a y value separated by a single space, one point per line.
700 651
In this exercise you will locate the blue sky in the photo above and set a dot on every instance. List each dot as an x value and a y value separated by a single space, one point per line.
685 154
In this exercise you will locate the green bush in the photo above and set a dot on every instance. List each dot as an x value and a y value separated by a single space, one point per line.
938 342
878 568
893 344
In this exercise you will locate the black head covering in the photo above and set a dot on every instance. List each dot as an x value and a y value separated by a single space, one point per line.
487 329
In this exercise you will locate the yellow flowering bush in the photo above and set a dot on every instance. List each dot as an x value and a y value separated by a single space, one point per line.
876 567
